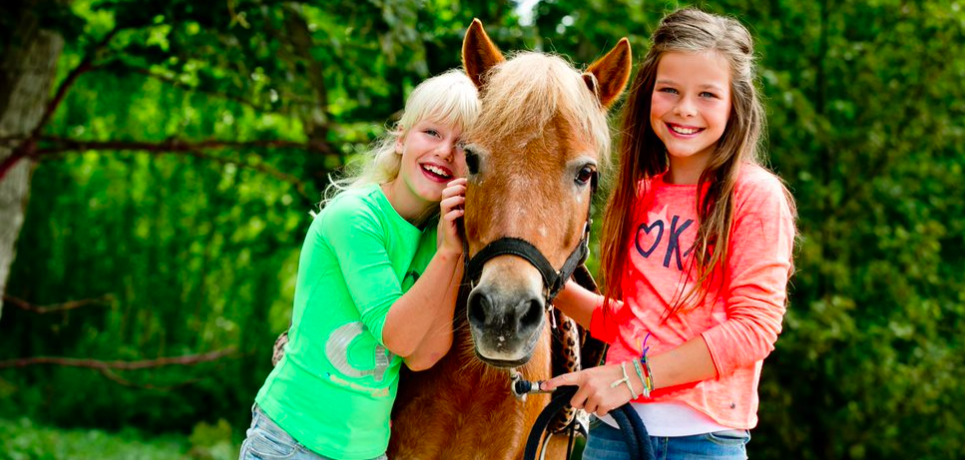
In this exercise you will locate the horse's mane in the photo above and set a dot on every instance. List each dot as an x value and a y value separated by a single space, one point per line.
529 89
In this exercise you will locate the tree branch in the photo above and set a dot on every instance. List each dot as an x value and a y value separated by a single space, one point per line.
27 147
24 305
186 360
110 375
61 144
24 150
10 140
175 146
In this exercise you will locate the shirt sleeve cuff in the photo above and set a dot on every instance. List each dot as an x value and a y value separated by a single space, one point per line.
709 341
602 328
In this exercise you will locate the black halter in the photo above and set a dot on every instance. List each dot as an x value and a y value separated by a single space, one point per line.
553 280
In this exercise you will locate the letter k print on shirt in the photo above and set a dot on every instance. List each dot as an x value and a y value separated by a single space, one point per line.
650 235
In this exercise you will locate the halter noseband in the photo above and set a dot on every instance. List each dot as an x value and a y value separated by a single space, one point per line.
553 280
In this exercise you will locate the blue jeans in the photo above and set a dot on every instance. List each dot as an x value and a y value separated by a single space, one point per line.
267 441
606 443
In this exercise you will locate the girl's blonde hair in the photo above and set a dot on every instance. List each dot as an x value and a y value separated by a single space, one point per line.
643 156
450 98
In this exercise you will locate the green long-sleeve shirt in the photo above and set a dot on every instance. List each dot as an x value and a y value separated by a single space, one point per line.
333 390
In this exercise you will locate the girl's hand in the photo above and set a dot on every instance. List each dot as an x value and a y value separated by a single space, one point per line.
453 199
595 394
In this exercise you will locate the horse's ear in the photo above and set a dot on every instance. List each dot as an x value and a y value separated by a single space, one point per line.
608 76
479 54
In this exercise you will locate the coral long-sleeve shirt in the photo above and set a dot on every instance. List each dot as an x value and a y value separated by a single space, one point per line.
739 319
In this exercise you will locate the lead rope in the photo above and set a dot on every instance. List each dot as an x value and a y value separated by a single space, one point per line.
634 432
521 388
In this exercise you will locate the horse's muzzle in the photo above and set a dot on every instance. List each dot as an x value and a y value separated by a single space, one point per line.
505 326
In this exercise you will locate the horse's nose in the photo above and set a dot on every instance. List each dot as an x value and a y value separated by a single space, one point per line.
518 313
480 308
530 312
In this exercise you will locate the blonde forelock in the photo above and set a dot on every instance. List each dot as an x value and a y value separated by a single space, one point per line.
529 90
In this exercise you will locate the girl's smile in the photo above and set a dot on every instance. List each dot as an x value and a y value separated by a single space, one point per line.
437 173
684 132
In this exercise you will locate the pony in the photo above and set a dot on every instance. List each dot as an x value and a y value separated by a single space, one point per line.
533 158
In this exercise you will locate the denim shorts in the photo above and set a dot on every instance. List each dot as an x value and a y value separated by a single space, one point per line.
265 440
606 443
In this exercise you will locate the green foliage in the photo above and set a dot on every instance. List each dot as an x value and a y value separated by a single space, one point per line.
866 125
21 439
210 442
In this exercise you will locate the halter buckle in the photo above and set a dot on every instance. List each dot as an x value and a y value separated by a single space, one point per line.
514 378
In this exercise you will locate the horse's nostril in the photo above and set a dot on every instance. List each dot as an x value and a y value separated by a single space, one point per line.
531 312
478 305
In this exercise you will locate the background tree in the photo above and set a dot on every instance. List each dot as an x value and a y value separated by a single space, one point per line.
27 66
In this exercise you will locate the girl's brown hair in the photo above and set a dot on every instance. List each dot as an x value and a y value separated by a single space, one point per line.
643 155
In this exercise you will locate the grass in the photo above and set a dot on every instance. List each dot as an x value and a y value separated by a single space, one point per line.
22 439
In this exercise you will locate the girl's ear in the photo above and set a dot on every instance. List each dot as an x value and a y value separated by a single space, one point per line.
479 54
399 141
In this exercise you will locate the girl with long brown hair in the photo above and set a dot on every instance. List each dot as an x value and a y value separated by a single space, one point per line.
696 251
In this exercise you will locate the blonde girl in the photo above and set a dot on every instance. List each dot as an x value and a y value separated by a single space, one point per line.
376 288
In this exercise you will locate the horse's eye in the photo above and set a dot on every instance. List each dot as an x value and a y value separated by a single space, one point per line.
583 177
472 161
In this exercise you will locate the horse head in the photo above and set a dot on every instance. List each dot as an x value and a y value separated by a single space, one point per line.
533 158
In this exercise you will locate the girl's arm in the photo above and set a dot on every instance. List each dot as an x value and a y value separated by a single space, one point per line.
758 268
438 338
352 230
418 326
586 308
578 303
690 362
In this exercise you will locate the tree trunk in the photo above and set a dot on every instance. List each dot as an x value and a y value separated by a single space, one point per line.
27 67
316 119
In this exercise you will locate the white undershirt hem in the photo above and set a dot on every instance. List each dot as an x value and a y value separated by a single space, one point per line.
671 419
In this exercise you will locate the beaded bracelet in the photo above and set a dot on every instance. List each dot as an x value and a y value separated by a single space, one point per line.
648 381
643 380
